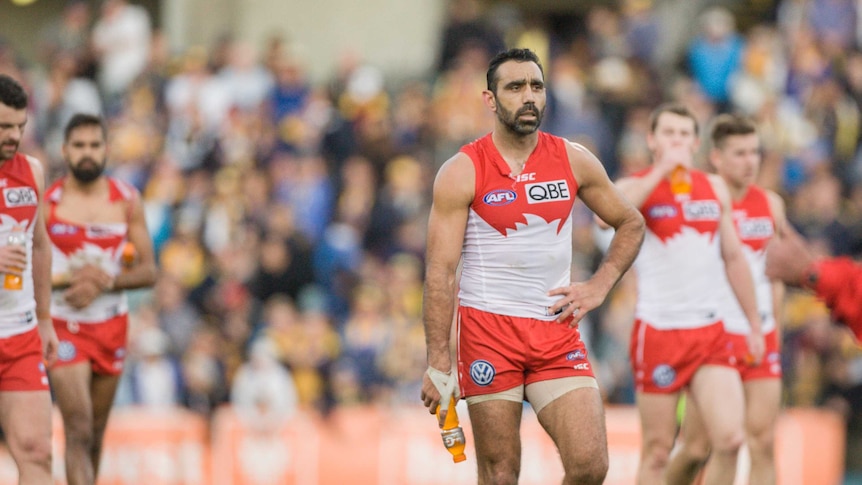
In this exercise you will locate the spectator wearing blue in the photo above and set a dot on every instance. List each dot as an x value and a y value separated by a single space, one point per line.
714 56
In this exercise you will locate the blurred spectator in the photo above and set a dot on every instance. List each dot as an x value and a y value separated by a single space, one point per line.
178 318
204 371
121 40
466 28
714 56
70 34
155 378
263 393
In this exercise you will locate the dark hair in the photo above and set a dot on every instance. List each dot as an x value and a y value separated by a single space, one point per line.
678 109
727 125
83 119
515 54
11 93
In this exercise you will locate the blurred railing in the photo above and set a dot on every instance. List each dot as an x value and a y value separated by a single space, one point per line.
375 445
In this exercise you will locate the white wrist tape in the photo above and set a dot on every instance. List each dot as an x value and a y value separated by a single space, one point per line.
446 384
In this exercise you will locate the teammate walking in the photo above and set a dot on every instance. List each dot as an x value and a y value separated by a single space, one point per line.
90 218
27 339
758 216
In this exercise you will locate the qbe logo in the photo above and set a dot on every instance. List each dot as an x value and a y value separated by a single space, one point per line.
755 228
20 196
701 210
482 372
550 191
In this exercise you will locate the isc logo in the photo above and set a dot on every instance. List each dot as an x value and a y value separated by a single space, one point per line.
500 197
550 191
20 196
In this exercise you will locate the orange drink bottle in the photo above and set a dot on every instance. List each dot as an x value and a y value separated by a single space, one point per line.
128 255
680 181
453 435
14 281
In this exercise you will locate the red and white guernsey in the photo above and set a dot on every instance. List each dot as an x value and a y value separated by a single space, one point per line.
518 241
679 266
755 225
19 208
74 245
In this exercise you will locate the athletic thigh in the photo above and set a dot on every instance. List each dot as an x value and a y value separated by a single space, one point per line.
692 429
496 428
25 417
762 405
717 392
576 423
658 420
71 386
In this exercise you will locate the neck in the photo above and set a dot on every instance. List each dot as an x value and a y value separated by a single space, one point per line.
87 187
509 144
737 192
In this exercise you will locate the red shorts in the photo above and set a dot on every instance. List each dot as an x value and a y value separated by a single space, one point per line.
499 352
101 344
769 367
22 367
664 361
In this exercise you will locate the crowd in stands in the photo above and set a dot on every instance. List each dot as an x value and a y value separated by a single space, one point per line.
289 215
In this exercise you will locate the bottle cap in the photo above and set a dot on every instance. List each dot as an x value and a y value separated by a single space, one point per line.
459 458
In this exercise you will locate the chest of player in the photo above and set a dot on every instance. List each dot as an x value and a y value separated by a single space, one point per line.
755 226
667 214
69 237
504 200
19 201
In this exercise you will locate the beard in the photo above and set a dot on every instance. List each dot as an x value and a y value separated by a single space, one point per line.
515 124
8 150
86 170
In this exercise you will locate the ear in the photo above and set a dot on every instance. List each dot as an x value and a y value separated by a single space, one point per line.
490 100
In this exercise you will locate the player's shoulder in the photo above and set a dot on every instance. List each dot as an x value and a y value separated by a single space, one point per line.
125 189
34 162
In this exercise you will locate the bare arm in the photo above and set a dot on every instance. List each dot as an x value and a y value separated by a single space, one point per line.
776 205
453 193
609 205
736 267
143 272
42 271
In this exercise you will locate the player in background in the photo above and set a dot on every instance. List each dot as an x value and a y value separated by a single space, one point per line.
27 339
678 340
90 218
758 216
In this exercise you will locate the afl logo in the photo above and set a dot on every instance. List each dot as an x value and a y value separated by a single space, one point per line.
482 372
500 197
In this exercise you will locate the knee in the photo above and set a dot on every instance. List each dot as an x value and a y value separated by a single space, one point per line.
656 456
78 431
695 450
593 472
34 451
499 473
500 476
728 442
761 443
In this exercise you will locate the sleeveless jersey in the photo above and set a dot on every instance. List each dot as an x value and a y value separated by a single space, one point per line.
75 244
679 265
518 240
755 225
18 212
